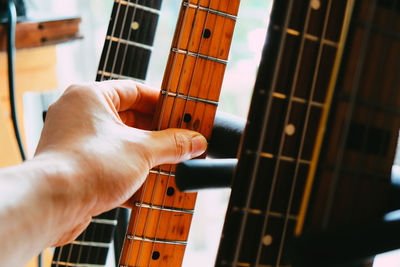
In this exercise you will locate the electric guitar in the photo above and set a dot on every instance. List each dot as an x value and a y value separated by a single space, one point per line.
322 131
125 55
161 215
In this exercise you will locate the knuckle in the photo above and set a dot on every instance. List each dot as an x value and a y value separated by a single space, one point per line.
181 145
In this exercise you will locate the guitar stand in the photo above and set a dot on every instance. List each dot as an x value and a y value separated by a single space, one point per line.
216 172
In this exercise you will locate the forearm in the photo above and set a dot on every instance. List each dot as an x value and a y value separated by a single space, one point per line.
34 210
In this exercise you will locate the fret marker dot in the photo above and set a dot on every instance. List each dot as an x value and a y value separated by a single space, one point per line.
315 4
187 117
267 240
290 129
155 255
206 33
135 25
170 191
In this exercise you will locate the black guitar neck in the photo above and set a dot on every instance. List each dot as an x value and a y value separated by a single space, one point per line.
126 54
322 129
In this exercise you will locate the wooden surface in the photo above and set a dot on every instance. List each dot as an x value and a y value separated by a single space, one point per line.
38 33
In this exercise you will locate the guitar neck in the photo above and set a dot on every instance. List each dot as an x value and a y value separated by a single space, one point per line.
126 54
322 131
161 215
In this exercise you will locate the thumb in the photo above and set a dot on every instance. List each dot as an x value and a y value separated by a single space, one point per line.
175 145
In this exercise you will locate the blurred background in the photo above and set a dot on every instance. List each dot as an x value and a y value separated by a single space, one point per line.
78 62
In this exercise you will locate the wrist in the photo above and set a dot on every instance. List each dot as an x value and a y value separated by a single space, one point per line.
67 204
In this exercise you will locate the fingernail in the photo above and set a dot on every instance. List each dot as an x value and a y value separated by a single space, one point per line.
199 145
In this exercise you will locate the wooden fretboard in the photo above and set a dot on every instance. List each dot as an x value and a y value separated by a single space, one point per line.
161 215
300 169
126 54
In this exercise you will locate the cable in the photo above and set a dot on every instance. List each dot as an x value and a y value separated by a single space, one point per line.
11 24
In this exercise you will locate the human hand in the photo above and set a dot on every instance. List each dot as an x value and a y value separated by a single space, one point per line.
101 133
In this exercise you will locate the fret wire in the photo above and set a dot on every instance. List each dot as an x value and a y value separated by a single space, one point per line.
263 132
135 5
162 208
308 36
119 76
128 42
349 115
91 243
157 171
104 221
310 103
191 98
299 100
155 240
76 264
211 11
282 141
198 55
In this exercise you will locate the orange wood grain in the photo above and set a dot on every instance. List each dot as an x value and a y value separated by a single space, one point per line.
200 79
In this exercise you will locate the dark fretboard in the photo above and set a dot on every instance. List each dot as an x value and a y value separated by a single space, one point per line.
126 55
321 118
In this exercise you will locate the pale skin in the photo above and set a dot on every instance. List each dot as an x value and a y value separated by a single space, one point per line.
95 151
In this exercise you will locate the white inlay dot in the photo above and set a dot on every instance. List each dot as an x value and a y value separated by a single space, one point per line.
290 129
135 25
267 240
315 4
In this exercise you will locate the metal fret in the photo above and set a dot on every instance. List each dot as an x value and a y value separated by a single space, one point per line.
191 98
209 10
155 240
260 212
172 174
127 42
308 36
145 8
118 76
104 221
192 54
91 243
156 207
57 263
284 158
298 100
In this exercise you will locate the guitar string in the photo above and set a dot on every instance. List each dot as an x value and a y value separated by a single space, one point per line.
144 186
110 41
126 47
184 110
71 245
378 80
347 119
123 25
117 50
276 168
260 144
304 131
169 125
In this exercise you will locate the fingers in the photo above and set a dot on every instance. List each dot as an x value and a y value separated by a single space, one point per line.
128 95
175 145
